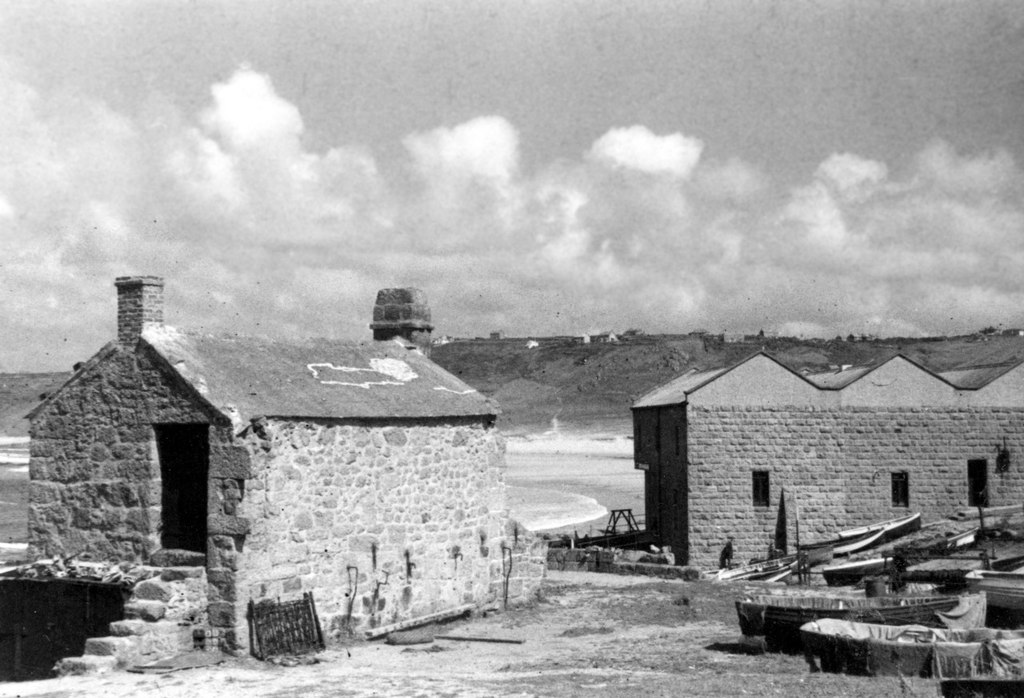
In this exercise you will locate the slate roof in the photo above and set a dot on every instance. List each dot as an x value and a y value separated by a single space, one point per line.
974 377
834 380
676 390
315 378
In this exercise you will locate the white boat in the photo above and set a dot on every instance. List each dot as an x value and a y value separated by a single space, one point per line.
854 540
1005 590
852 572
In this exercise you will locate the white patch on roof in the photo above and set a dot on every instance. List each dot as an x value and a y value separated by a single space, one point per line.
395 369
457 392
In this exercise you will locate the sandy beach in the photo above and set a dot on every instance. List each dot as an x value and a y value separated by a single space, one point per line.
570 482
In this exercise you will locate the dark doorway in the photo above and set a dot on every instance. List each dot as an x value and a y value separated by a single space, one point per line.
977 483
44 620
184 453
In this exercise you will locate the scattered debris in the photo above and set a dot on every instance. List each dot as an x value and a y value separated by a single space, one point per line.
192 660
123 573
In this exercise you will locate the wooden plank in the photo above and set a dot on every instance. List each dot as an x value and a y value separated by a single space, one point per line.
468 638
414 622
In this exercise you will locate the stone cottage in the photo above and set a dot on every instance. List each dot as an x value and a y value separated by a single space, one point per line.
361 472
849 447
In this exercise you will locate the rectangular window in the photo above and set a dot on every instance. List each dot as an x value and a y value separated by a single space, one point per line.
762 496
900 489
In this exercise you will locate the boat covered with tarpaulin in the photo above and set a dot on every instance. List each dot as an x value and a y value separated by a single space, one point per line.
870 649
778 618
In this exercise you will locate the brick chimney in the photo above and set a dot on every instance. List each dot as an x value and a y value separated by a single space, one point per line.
140 304
402 312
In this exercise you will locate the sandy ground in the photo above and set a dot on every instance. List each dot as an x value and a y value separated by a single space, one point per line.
589 635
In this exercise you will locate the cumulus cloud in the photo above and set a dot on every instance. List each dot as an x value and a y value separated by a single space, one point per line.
257 232
637 148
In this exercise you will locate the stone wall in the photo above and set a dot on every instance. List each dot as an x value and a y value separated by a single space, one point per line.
95 478
383 523
835 465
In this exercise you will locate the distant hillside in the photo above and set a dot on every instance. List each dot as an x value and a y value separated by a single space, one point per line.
590 387
19 393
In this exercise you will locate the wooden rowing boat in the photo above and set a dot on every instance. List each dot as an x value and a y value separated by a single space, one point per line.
855 540
760 570
851 647
1005 590
855 570
778 618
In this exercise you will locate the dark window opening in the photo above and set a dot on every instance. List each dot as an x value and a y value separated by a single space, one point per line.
184 454
900 489
977 483
762 495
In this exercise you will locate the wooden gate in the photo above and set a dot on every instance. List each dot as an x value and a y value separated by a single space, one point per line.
45 620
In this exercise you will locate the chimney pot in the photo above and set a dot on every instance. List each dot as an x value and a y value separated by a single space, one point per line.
140 304
402 312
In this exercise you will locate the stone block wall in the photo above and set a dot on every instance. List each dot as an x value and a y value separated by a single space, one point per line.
95 478
835 465
381 522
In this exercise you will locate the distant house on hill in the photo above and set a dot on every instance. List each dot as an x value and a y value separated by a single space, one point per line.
604 338
850 447
361 472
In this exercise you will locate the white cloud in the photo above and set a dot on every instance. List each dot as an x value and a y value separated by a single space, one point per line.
853 178
637 148
487 147
257 232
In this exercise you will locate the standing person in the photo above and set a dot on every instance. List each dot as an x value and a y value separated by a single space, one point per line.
725 558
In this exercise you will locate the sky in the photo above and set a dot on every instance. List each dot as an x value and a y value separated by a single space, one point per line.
539 168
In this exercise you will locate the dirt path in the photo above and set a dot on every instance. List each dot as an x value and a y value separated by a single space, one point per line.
590 635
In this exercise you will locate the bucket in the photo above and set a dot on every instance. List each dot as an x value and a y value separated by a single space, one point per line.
874 586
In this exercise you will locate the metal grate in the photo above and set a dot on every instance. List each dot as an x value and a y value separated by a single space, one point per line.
285 627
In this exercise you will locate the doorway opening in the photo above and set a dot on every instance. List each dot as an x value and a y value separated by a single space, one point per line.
184 454
977 483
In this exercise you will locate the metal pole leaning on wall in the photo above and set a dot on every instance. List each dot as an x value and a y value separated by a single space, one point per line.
506 554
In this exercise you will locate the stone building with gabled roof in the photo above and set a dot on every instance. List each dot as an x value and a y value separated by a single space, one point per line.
362 472
850 447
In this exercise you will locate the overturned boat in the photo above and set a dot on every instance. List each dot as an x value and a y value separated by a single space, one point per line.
870 649
778 618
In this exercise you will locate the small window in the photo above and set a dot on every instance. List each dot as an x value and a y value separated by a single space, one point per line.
900 489
762 496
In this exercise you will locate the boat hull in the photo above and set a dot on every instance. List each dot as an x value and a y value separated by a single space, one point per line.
1003 589
910 650
852 572
778 618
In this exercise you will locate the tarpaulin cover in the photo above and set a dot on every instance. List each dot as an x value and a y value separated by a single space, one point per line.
913 650
969 613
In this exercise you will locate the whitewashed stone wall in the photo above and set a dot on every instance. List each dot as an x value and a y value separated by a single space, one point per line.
835 465
383 523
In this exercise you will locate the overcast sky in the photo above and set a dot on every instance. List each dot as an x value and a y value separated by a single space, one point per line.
549 167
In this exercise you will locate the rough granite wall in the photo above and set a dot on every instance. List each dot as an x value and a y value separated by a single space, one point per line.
95 478
835 465
383 523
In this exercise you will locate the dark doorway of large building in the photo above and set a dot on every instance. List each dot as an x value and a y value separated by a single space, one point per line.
977 483
184 453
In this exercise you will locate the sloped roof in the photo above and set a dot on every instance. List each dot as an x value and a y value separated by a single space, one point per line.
676 390
974 377
835 380
315 378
